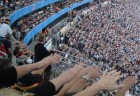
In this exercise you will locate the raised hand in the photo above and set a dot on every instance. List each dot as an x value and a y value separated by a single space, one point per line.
108 81
52 59
129 81
94 73
55 58
83 72
72 72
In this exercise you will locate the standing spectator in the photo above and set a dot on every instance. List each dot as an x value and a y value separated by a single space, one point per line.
4 29
41 52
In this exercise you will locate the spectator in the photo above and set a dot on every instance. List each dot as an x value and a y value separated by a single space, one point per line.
4 29
41 52
8 45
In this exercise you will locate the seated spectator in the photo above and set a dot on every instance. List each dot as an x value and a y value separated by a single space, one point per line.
3 50
5 63
8 45
18 51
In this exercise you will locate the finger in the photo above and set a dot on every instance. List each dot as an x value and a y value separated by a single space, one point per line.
134 79
105 73
112 72
116 74
119 86
96 68
116 78
82 65
58 60
89 68
79 67
56 55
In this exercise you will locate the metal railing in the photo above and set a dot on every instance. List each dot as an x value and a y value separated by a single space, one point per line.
69 62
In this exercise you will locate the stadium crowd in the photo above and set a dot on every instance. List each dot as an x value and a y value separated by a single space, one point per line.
30 21
110 35
106 37
9 6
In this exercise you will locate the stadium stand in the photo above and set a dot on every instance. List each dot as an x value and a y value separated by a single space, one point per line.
94 51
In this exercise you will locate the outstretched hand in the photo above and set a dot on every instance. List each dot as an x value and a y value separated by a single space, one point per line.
94 73
83 72
71 73
129 81
52 59
108 81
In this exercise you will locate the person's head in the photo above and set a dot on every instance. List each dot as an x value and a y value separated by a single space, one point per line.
7 21
8 37
2 20
41 39
17 48
5 63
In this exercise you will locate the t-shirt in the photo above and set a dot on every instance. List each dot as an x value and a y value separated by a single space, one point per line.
5 29
44 89
7 45
8 77
30 79
40 53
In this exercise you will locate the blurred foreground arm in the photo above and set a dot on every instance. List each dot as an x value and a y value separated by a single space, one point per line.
128 82
67 86
107 82
93 73
66 76
25 69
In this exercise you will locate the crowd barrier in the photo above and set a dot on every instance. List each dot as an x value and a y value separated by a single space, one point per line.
28 9
42 25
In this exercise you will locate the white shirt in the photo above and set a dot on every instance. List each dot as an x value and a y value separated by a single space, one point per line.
5 29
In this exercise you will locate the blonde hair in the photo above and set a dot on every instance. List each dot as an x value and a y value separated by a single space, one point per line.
13 92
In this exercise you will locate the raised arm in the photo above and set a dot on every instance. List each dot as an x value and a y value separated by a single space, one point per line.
128 82
107 82
93 73
49 88
66 76
25 69
67 86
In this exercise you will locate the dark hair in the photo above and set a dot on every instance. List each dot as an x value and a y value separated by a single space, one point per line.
41 38
5 63
17 48
8 36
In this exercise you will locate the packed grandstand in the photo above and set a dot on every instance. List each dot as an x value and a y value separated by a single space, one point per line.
69 48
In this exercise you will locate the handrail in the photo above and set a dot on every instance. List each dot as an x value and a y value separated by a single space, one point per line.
64 62
79 59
